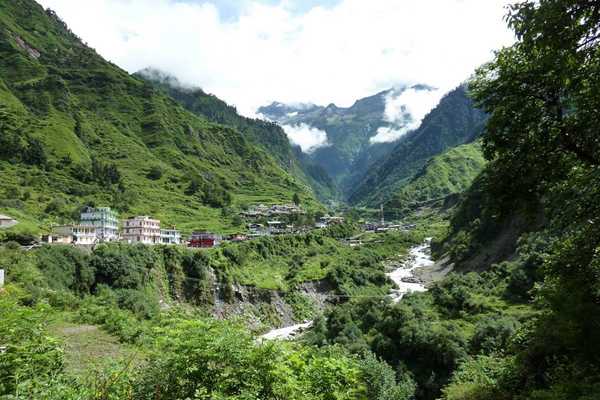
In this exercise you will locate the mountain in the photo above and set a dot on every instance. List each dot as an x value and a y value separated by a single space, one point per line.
350 132
265 134
449 173
454 121
77 129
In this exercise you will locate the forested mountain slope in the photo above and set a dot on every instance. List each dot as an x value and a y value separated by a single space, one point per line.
77 129
268 135
453 122
449 173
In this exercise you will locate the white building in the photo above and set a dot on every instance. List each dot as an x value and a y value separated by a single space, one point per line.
170 236
105 220
328 220
73 234
142 229
1 278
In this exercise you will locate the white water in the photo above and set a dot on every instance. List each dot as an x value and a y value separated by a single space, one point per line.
418 256
286 332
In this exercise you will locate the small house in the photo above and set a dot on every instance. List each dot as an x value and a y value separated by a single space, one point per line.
81 235
238 237
257 229
276 227
204 240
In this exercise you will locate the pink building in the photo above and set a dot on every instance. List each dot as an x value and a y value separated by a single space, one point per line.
141 229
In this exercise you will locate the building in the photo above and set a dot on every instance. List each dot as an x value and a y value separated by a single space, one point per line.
6 221
256 230
1 278
204 240
170 236
276 227
104 219
81 235
262 211
238 237
328 220
141 229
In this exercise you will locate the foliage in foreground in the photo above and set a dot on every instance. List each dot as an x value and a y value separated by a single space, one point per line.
187 358
542 95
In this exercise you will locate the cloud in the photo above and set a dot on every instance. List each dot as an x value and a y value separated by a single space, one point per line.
332 51
307 137
405 110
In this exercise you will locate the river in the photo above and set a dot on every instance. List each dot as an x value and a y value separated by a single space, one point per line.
418 257
403 277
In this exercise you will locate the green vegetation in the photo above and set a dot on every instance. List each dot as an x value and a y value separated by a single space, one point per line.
185 357
141 349
430 335
453 122
268 135
77 130
450 173
537 204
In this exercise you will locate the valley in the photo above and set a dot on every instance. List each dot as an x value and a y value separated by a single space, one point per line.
414 244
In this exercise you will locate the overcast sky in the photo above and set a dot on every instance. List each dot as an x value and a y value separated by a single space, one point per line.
250 53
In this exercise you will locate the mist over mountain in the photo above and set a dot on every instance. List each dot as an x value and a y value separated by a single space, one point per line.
346 141
453 122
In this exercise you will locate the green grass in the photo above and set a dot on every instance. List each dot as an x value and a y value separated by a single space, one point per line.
87 346
449 173
81 107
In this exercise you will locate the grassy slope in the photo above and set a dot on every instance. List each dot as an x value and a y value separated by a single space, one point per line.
268 135
81 107
449 173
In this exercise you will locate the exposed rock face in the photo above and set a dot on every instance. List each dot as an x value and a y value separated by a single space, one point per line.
252 302
33 53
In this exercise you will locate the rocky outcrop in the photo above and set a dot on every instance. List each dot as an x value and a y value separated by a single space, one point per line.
266 306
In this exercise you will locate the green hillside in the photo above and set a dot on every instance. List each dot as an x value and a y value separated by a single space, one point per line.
268 135
449 173
453 122
77 129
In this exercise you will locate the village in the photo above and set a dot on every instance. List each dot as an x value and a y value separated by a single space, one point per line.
102 224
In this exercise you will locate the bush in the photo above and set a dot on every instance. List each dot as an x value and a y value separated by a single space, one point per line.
155 173
493 334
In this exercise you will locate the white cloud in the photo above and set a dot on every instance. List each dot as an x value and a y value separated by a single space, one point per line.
307 137
404 111
328 54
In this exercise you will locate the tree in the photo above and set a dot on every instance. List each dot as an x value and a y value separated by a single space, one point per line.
296 199
543 98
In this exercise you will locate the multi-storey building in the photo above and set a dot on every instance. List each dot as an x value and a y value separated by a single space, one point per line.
104 219
73 234
170 236
142 229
